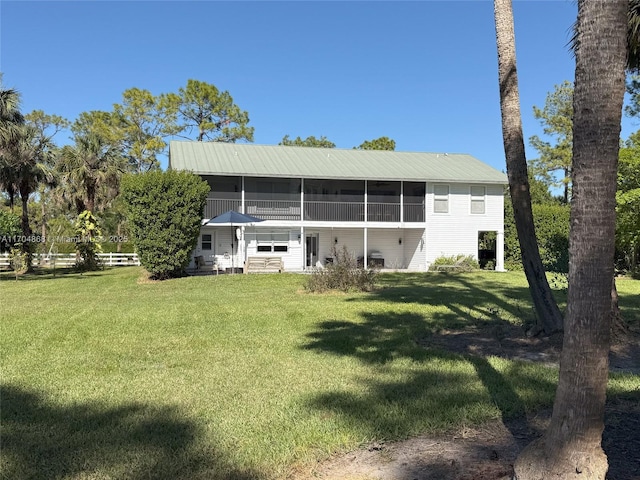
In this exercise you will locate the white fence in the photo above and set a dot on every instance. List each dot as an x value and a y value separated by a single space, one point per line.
69 260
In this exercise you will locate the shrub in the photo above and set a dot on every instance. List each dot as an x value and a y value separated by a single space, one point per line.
87 248
164 211
9 228
552 230
342 274
455 263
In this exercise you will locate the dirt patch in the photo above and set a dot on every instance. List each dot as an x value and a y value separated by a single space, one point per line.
488 452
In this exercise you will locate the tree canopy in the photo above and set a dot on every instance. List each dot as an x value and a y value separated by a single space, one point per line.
311 141
382 143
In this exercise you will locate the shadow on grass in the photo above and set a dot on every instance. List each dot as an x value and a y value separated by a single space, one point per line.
440 393
47 274
471 297
41 440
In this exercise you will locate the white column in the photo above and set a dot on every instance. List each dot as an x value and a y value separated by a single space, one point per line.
303 245
365 204
401 202
500 252
242 207
366 241
302 199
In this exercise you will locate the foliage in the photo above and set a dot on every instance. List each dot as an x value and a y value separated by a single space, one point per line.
19 261
164 211
87 247
552 230
90 172
628 205
9 229
211 113
145 120
342 274
382 143
311 141
557 118
455 263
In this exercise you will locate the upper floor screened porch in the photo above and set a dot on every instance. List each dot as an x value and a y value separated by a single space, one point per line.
321 200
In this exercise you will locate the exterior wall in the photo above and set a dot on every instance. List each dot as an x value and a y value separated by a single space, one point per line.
292 258
456 232
451 233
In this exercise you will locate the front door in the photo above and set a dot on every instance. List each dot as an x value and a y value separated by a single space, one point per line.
311 250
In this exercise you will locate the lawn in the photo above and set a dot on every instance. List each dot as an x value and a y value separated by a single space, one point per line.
246 377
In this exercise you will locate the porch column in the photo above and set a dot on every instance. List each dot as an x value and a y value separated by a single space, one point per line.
301 199
500 251
401 202
366 241
303 245
242 207
366 215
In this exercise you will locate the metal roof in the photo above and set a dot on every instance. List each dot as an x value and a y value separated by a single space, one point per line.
217 158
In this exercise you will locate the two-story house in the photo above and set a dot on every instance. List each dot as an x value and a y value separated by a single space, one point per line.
396 210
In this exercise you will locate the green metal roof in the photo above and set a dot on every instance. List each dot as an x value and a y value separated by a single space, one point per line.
216 158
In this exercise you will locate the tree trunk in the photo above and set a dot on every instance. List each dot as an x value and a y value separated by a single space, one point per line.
549 318
571 447
26 230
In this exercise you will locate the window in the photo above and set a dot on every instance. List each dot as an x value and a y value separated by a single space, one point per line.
477 199
441 198
206 241
273 242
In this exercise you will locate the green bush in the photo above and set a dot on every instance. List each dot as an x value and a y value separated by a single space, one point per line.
552 230
164 212
455 263
10 227
342 274
88 248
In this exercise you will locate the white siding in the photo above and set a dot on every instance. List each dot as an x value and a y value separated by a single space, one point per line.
456 232
292 258
451 233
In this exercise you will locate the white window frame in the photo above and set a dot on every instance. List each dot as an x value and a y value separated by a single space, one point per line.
478 201
274 244
203 242
441 197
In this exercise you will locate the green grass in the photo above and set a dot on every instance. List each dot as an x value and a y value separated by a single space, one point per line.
239 377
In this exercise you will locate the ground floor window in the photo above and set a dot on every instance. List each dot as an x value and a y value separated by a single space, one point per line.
272 242
206 241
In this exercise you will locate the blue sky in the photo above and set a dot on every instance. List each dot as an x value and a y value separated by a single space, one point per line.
423 72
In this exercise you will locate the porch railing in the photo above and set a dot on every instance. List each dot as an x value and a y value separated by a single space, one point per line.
413 212
383 212
216 206
318 211
273 209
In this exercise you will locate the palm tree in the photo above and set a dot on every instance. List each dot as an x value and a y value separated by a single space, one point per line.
28 157
549 318
90 171
10 119
572 443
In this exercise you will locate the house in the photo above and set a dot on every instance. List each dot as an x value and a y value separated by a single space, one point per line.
394 210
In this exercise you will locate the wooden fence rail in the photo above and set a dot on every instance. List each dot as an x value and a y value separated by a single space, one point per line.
69 259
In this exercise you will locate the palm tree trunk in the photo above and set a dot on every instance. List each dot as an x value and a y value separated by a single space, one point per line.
26 231
571 447
549 318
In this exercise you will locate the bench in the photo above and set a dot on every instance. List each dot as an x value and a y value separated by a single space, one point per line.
264 265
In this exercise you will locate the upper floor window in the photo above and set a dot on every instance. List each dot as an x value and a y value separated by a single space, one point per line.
477 199
441 198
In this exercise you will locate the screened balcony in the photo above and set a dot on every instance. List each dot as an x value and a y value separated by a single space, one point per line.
324 200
